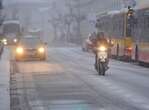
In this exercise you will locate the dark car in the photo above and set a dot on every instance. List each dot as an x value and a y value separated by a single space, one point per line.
29 48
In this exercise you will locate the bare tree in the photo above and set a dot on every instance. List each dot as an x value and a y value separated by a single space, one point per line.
72 17
75 17
55 20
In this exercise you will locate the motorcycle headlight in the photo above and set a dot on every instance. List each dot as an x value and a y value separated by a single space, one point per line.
41 50
102 48
19 50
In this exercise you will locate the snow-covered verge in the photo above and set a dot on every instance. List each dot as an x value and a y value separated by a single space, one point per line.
4 82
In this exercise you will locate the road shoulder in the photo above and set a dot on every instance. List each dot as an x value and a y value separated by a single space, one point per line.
4 82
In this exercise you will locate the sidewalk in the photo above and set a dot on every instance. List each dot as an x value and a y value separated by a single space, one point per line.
4 81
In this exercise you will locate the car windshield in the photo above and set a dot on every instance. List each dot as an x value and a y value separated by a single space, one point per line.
30 42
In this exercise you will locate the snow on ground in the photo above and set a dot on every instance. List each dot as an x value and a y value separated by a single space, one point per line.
68 81
125 81
4 81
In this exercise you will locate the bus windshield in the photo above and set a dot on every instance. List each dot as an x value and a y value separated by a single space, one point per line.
11 28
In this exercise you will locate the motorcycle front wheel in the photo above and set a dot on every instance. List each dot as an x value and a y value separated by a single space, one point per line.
101 68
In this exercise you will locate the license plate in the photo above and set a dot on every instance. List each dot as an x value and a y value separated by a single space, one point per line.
31 53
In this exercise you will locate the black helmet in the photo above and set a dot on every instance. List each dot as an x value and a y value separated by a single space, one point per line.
100 34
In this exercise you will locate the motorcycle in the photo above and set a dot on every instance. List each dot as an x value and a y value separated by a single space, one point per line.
101 59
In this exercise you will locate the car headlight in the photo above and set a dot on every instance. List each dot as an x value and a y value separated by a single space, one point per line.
15 40
41 50
20 50
4 40
5 43
102 48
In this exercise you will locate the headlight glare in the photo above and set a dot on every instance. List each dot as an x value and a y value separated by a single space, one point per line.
102 48
4 40
15 40
5 43
41 50
19 50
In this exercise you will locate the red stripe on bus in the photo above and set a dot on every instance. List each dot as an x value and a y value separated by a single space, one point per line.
144 56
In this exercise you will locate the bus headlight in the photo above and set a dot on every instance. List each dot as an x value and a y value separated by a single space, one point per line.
15 40
41 50
19 50
4 41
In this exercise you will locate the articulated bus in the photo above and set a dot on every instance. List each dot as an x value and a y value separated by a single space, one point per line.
130 34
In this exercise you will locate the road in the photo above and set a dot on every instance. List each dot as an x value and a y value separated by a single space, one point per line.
68 81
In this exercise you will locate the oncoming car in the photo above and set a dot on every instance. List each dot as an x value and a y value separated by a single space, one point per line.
29 48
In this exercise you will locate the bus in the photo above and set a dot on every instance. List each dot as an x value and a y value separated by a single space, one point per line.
130 36
12 31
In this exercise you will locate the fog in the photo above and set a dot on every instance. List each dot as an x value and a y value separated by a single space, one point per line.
63 20
60 20
143 3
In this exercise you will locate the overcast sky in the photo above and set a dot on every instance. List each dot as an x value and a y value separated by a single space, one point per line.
141 3
22 1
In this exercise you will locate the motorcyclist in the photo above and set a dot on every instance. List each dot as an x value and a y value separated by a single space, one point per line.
101 40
